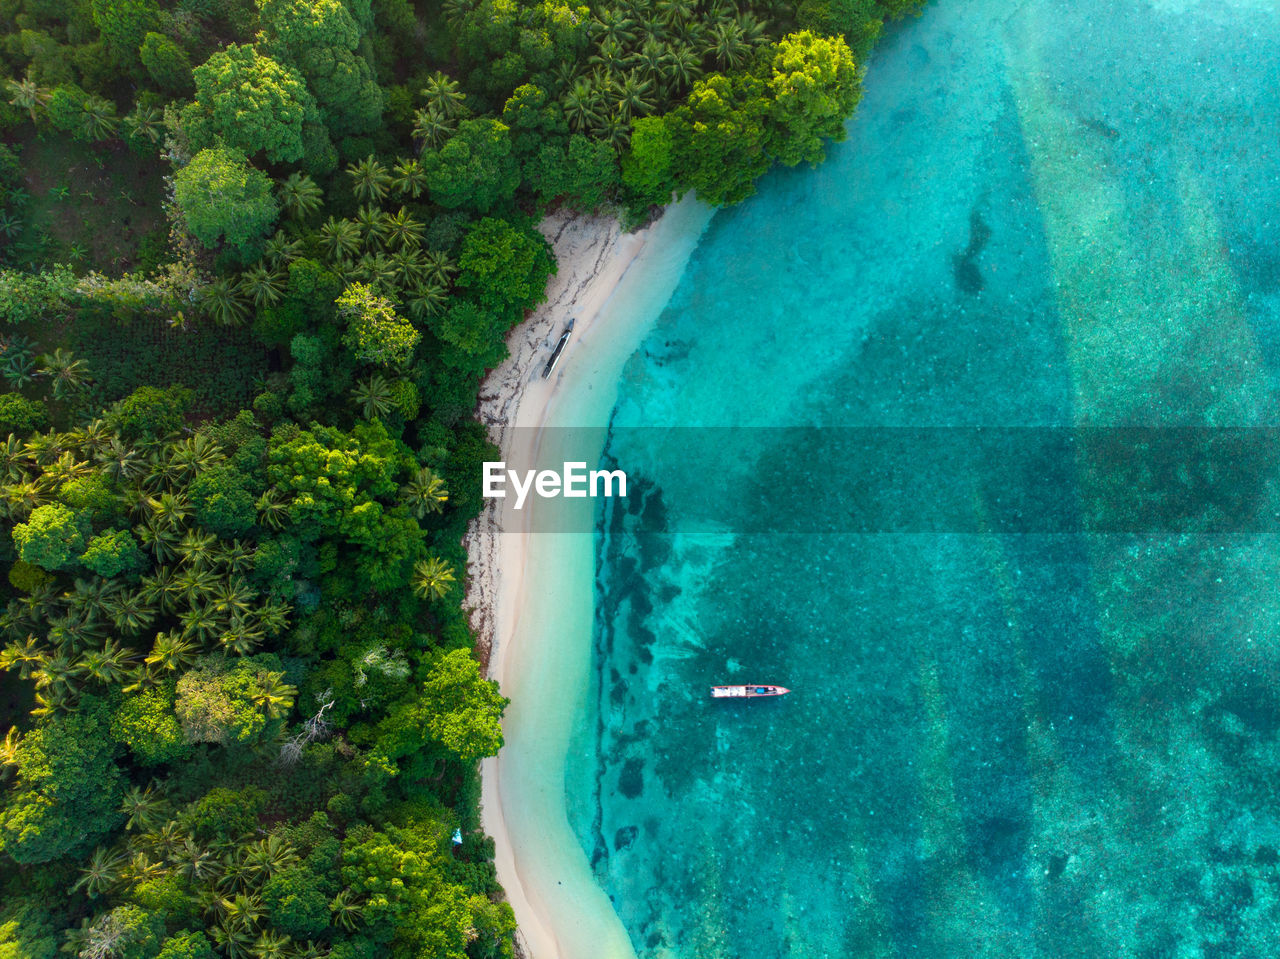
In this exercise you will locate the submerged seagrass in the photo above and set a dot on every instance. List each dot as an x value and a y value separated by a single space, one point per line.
1033 742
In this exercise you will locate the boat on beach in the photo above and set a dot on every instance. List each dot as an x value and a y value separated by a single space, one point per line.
747 692
555 355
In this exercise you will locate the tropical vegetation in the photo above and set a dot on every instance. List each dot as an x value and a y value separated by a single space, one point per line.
255 258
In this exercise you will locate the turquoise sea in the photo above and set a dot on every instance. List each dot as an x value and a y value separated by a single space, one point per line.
1036 683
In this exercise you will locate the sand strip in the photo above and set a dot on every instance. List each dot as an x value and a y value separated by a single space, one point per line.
531 596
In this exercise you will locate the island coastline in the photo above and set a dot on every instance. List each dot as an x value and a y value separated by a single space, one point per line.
524 591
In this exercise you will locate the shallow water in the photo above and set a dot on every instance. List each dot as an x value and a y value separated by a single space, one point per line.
1057 738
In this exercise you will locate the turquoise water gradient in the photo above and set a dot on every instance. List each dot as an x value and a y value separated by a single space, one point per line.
1053 213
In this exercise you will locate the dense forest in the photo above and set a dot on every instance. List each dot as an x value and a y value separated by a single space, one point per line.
254 259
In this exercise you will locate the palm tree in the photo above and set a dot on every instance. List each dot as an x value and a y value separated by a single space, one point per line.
273 510
194 862
433 128
409 178
164 840
58 673
222 303
197 548
273 617
410 267
159 589
23 656
614 130
425 493
100 873
373 396
98 118
144 123
675 12
616 26
583 105
347 910
633 96
26 94
240 640
653 60
233 939
65 469
369 179
280 249
200 622
172 652
196 583
169 510
402 230
108 665
235 557
271 945
194 455
121 463
242 910
144 809
443 95
52 701
67 373
372 226
432 577
10 226
729 45
13 459
299 196
428 298
754 31
93 437
232 597
376 269
263 285
439 266
340 237
162 540
266 857
610 56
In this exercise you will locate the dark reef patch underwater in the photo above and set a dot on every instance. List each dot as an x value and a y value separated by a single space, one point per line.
1060 743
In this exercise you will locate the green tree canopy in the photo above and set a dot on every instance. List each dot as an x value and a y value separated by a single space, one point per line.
504 267
459 711
167 63
579 172
474 169
815 88
250 102
186 945
124 24
319 38
718 137
147 723
232 701
375 332
112 553
51 538
409 906
20 415
296 903
223 501
335 481
222 197
646 166
68 789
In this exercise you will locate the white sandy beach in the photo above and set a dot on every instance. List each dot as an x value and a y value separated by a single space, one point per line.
531 595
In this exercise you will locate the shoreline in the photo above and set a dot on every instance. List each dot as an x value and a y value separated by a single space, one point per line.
531 598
